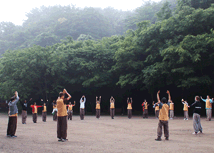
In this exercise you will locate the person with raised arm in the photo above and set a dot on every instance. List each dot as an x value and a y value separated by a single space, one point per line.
171 106
62 115
34 111
129 107
24 110
208 102
163 117
70 110
82 107
156 106
196 115
13 113
145 112
98 107
185 109
112 107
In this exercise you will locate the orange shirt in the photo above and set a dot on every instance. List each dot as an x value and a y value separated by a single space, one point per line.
61 107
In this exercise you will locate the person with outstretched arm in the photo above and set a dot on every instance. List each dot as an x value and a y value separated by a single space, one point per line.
24 110
98 101
62 115
70 110
112 107
208 102
196 115
163 117
34 111
129 107
13 113
82 107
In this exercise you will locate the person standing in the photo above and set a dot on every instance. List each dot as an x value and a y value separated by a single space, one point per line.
98 107
163 117
35 111
112 107
24 110
54 112
13 112
196 115
156 106
70 110
44 112
145 112
129 107
82 107
171 106
186 115
208 102
62 116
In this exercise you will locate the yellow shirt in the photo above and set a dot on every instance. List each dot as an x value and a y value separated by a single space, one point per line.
185 107
129 106
145 105
156 108
171 106
70 107
164 113
35 109
44 109
112 105
208 104
98 106
61 107
14 115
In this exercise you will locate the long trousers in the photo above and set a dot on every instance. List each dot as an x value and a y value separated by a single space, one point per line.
197 122
82 113
112 112
97 113
163 124
12 124
61 127
24 116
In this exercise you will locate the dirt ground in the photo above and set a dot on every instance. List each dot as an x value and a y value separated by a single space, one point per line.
106 135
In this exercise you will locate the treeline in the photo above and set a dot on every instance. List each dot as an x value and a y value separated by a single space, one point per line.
175 53
46 26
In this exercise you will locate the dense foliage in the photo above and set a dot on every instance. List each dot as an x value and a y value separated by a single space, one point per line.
175 52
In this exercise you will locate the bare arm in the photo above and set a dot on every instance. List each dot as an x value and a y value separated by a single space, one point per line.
158 97
169 96
69 96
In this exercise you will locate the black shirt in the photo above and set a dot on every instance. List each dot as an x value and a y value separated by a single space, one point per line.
197 107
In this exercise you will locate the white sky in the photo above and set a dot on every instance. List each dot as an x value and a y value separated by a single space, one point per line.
14 10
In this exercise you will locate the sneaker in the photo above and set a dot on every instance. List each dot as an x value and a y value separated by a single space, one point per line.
184 119
8 135
158 139
167 138
195 133
63 140
200 132
13 136
59 139
187 119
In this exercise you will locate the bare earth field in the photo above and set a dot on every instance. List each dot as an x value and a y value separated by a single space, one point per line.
106 135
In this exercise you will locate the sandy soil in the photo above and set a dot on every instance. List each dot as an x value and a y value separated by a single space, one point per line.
106 135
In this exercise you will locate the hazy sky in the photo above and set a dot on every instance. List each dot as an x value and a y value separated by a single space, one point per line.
14 10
